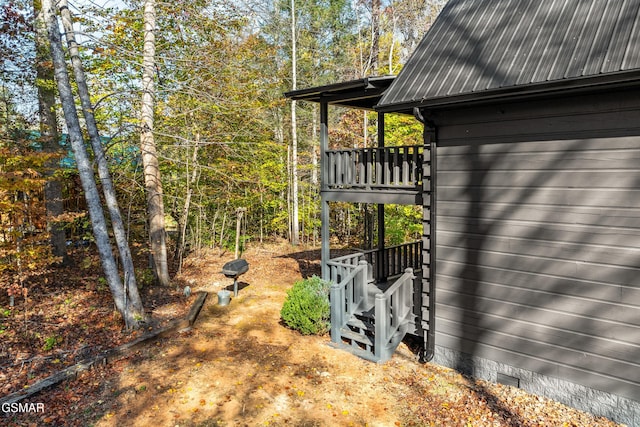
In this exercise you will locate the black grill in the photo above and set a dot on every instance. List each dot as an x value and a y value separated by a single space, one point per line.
233 270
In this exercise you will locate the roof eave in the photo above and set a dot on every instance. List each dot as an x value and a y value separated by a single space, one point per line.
514 93
362 93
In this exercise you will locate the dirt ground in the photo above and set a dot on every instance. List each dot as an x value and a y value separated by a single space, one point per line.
239 366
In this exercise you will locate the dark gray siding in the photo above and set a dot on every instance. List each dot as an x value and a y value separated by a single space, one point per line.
539 237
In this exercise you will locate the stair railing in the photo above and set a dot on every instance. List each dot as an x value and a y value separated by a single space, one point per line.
393 309
348 290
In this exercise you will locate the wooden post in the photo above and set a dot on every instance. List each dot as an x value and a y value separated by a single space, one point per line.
239 213
380 259
324 204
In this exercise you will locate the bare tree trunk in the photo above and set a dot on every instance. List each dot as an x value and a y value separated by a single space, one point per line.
108 189
224 219
152 182
314 149
315 152
213 229
261 218
289 194
394 20
85 171
295 226
50 135
182 224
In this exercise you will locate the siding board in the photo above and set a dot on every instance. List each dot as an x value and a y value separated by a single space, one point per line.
569 233
561 250
550 301
543 266
554 217
557 337
562 286
619 335
552 128
487 176
558 160
525 198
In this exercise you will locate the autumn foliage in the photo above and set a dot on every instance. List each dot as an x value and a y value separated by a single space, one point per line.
24 245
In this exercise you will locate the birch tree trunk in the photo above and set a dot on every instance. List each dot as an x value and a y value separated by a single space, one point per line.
152 182
108 189
50 136
295 226
85 170
375 33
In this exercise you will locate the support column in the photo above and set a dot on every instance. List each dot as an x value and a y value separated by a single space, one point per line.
381 235
325 251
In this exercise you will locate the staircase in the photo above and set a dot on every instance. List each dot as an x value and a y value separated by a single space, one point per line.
365 320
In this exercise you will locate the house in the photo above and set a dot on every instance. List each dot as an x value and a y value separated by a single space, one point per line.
530 262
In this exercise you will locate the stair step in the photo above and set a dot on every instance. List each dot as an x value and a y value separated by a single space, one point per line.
356 351
366 313
360 324
348 334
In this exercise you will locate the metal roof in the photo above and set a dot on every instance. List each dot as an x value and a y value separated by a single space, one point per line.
478 49
361 93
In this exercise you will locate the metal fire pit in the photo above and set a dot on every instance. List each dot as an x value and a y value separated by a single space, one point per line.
233 270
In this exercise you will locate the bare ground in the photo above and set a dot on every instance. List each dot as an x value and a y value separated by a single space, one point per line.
239 366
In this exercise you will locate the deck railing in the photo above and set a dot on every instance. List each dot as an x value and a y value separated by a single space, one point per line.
375 168
394 260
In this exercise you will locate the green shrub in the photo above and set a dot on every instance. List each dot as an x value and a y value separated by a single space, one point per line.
306 308
144 277
51 342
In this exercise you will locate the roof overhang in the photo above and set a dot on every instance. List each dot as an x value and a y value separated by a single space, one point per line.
551 89
361 94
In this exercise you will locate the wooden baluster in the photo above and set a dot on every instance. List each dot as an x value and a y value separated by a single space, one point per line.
396 166
386 172
360 168
379 161
382 323
406 166
417 166
370 167
331 164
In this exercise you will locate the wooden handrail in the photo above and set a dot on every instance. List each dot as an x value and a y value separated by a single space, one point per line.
348 295
392 311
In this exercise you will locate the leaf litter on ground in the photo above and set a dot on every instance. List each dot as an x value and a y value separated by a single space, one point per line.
240 365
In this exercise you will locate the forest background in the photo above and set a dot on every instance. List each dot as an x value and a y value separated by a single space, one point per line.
236 160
